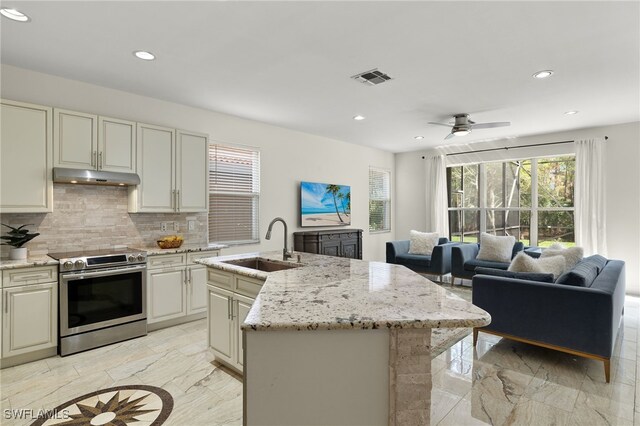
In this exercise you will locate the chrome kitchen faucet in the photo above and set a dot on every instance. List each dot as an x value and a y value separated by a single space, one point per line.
285 253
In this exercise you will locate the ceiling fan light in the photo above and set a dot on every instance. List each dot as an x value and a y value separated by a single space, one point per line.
461 132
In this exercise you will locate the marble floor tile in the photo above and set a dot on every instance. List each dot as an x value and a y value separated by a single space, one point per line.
499 382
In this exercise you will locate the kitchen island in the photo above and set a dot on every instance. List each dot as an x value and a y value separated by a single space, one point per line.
341 341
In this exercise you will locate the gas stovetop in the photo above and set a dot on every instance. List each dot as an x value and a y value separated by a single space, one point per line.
93 259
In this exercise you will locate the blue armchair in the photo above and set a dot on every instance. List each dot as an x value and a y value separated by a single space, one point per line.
464 262
439 263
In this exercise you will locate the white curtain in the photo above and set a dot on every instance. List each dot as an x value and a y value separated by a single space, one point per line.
590 196
437 205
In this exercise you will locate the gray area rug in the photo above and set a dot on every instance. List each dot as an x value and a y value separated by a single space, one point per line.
443 338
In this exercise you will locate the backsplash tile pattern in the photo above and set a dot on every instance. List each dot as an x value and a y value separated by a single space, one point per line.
89 217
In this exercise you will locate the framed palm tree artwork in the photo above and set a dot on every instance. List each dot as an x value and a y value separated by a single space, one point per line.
324 204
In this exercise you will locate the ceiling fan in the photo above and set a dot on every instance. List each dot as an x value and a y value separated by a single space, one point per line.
463 126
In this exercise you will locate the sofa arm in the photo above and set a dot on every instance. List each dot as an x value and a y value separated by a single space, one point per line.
572 317
395 248
460 253
441 258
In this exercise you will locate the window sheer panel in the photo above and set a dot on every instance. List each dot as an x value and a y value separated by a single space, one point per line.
234 194
379 200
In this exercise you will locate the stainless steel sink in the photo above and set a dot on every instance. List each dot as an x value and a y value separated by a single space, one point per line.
261 264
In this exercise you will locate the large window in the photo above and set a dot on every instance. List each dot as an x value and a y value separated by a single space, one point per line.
234 194
529 199
379 200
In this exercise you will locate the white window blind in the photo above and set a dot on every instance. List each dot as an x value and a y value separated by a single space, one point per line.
379 200
234 194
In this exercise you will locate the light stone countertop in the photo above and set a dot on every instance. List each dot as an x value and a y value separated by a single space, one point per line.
29 262
185 248
330 293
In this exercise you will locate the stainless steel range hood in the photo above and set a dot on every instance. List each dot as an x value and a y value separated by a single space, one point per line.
94 177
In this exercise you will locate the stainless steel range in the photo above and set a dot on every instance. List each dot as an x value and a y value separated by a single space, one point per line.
102 298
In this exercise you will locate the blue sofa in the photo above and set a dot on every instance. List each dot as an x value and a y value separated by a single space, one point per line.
464 262
580 320
439 263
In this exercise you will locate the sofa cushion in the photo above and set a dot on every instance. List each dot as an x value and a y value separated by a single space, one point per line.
525 263
496 248
572 255
531 276
599 261
413 259
471 265
422 242
581 275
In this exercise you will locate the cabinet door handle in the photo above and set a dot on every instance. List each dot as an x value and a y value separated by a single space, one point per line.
178 200
173 199
100 161
93 158
232 315
190 276
6 303
229 308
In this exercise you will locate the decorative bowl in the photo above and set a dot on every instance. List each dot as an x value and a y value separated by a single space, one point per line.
168 244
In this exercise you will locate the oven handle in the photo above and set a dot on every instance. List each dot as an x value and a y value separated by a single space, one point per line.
102 273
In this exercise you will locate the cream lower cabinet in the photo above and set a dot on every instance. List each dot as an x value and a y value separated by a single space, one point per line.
26 158
29 312
176 286
230 299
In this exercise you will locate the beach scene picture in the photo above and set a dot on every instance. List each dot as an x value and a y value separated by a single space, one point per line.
324 204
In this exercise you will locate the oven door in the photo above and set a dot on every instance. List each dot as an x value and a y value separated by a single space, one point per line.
96 299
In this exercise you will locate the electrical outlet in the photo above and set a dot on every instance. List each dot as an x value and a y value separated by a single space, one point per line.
173 226
191 225
163 226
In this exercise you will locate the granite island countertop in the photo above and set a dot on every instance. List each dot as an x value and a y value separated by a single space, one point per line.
330 293
29 262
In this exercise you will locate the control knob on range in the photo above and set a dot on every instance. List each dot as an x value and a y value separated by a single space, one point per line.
141 258
79 264
67 265
131 258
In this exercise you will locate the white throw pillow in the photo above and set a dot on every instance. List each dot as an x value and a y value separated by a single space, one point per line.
422 242
572 255
549 265
496 248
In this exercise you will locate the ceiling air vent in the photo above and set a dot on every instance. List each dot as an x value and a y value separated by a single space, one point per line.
372 77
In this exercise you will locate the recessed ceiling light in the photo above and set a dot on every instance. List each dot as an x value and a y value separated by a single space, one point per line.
73 181
143 54
14 14
571 112
418 137
358 117
543 74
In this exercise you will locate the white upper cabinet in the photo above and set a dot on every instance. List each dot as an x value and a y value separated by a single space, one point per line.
173 168
86 141
156 152
26 184
75 139
191 172
116 145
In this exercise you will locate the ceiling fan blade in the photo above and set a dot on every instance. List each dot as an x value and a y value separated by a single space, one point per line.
449 136
490 125
440 124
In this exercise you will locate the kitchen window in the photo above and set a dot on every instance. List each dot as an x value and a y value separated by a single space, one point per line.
234 194
379 200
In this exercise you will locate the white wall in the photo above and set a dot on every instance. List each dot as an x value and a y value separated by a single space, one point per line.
623 185
287 156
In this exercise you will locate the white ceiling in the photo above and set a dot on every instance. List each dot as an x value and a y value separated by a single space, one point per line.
289 63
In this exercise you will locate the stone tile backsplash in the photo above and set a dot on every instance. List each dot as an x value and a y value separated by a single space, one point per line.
89 217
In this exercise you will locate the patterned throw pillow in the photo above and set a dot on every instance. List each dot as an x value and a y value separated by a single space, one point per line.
496 248
422 242
549 265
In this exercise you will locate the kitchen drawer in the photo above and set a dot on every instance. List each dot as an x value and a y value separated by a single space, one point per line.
26 276
166 260
330 237
349 236
248 286
220 278
191 257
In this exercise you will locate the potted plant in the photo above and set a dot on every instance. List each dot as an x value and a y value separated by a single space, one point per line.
16 238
